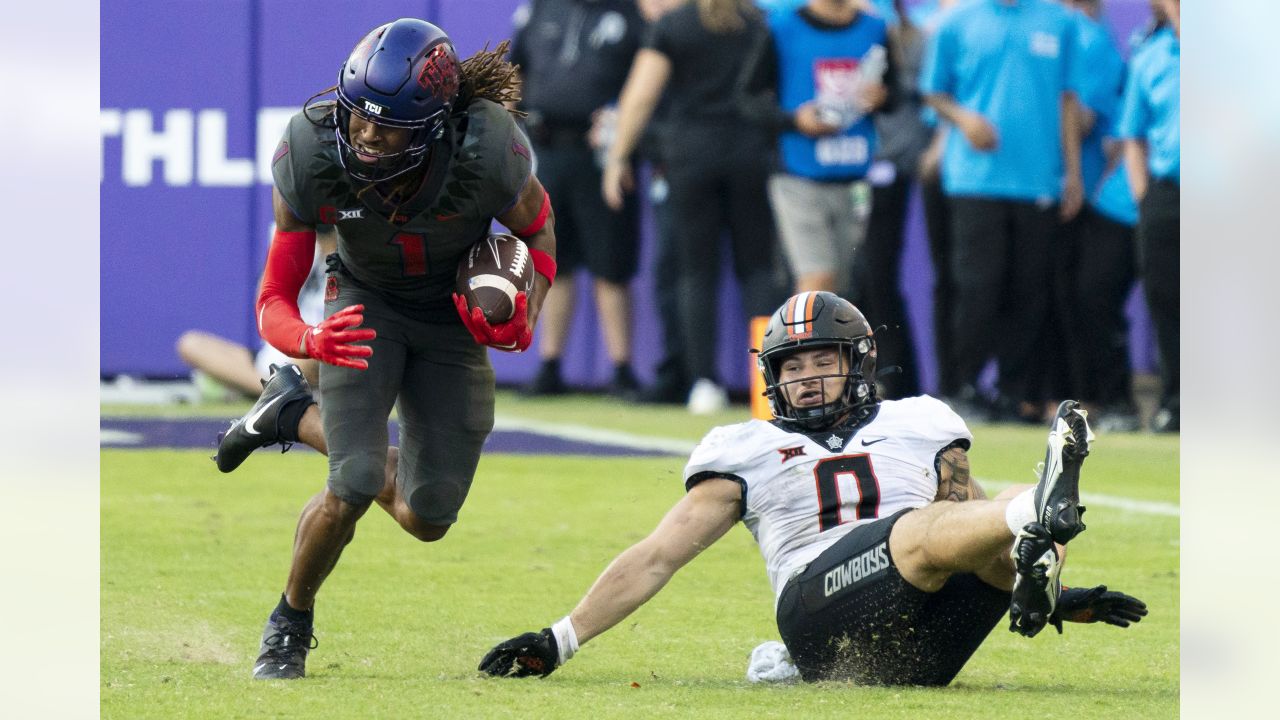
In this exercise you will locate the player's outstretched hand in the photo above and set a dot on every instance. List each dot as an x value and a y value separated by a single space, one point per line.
514 335
1097 604
330 340
522 656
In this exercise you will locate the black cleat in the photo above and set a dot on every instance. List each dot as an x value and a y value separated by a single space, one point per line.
283 652
260 427
547 381
1036 584
1057 495
624 385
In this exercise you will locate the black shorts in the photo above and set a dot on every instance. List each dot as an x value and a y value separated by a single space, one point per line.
588 233
851 616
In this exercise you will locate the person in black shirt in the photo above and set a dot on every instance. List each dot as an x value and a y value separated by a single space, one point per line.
717 167
671 383
573 57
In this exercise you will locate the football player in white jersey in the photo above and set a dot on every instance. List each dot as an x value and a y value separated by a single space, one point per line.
888 564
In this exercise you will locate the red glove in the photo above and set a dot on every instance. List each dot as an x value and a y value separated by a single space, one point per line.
513 335
329 341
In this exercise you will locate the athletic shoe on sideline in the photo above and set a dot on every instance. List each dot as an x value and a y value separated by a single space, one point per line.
706 398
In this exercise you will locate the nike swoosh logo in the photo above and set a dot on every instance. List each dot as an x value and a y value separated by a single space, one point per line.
866 442
253 419
255 670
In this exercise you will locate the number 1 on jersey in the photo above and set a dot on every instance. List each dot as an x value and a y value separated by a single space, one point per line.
413 253
827 474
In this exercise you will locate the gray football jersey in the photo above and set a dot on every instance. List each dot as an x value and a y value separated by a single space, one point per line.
411 258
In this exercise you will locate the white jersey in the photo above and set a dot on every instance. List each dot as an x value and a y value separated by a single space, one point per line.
803 492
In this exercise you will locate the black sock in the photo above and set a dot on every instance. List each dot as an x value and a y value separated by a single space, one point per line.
622 370
290 614
291 417
551 365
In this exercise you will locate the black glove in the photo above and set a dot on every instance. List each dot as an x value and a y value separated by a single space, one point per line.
1097 604
528 654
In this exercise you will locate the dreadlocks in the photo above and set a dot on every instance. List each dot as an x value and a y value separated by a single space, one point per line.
489 76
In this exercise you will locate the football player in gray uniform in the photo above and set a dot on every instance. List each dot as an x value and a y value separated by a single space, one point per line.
412 162
889 566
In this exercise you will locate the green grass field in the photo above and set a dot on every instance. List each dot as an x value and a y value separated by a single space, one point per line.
193 561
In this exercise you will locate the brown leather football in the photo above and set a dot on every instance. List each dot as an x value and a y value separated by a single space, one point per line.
490 275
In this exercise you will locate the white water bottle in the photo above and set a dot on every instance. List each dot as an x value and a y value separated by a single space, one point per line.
842 112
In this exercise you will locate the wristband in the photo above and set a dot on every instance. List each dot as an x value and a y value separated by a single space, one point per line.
566 639
533 227
544 264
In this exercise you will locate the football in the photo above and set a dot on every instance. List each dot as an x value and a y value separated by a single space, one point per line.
492 272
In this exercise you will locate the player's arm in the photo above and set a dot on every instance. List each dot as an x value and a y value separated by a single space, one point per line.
701 517
279 320
532 220
326 242
954 480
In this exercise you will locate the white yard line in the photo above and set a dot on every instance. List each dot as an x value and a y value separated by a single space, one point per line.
1144 507
676 446
109 437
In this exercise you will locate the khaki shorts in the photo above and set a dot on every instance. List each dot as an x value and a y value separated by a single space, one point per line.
821 224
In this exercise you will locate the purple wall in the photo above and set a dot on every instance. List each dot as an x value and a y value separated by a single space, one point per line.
203 85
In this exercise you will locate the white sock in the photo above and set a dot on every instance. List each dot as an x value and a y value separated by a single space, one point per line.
1021 511
566 638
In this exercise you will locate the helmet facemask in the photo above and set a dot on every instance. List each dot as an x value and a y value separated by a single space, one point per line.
854 357
388 165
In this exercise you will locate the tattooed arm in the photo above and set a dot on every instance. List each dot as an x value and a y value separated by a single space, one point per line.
954 481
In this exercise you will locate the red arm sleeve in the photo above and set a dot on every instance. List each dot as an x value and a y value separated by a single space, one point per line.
288 264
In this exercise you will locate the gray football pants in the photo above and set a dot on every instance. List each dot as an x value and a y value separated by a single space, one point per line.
442 384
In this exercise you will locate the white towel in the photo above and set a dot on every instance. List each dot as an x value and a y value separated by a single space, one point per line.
770 662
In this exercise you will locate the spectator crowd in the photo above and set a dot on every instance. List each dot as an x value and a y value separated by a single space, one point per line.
791 135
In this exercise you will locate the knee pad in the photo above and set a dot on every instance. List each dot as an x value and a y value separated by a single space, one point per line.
436 504
427 532
359 478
